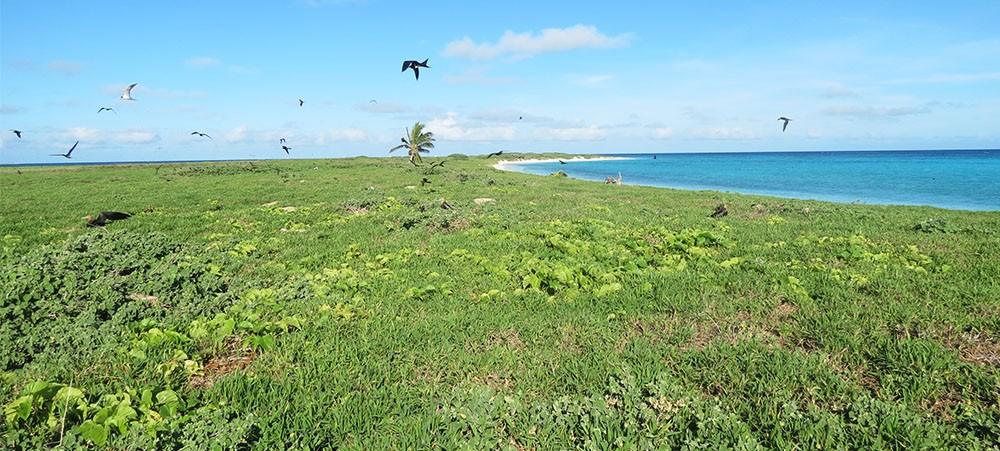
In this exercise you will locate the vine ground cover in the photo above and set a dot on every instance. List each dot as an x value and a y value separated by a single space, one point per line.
343 303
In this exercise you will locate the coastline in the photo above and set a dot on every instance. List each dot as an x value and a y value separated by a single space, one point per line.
502 165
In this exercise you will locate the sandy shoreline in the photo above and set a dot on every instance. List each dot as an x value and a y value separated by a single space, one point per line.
503 164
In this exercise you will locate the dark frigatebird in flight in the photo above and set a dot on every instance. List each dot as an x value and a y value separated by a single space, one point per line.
415 65
286 149
203 135
785 125
105 108
494 154
17 132
66 155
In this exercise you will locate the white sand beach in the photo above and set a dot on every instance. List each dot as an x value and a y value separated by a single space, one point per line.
503 164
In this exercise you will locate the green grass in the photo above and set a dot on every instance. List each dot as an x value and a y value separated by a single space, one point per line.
562 314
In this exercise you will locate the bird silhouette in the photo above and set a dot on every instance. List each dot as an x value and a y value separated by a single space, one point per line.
67 154
438 164
17 133
562 162
104 217
785 125
415 65
105 108
127 92
520 117
286 149
372 101
494 154
281 141
203 135
301 102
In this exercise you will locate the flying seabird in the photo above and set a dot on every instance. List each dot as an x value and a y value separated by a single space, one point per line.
562 162
203 135
495 154
520 117
415 65
301 102
127 93
281 141
104 217
286 149
438 164
105 108
17 132
785 125
66 155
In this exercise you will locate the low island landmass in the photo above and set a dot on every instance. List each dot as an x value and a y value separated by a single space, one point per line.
369 303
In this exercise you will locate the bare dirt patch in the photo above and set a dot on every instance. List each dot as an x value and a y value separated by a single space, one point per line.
233 358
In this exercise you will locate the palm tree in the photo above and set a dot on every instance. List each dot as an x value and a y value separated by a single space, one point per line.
416 141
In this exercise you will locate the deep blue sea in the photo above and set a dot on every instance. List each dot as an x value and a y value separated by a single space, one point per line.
955 179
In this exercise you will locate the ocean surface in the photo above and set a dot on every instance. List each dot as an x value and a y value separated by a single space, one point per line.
953 179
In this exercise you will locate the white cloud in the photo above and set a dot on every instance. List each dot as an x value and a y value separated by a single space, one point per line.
238 134
591 80
143 90
663 133
838 90
722 133
869 112
453 128
11 109
476 77
383 108
65 67
588 133
88 135
527 45
952 78
201 62
82 134
134 137
346 134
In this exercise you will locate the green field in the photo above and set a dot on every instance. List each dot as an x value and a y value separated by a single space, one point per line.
341 304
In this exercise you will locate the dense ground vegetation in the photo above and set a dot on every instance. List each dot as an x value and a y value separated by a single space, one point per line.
365 303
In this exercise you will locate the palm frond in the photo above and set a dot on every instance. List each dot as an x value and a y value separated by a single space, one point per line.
401 146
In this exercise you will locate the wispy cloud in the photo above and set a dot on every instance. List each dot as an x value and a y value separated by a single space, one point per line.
210 62
591 80
58 66
951 78
529 44
152 91
663 133
476 77
236 135
341 135
587 133
835 90
90 136
872 112
317 3
65 67
11 109
452 127
201 62
382 108
722 133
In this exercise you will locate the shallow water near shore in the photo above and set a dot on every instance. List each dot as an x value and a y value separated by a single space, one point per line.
954 179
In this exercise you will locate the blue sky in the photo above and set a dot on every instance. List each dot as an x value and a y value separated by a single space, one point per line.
586 76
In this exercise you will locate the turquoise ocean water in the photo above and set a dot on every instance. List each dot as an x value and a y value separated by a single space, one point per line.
955 179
